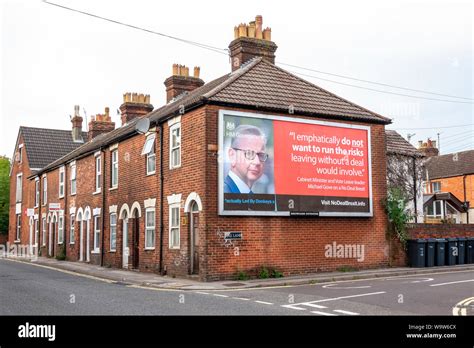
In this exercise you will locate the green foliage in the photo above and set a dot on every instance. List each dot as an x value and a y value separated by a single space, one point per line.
264 273
241 275
61 255
346 269
398 214
276 274
4 194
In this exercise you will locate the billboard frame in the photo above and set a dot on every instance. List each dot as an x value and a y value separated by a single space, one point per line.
220 169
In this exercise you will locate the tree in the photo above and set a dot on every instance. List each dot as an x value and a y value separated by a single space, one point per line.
4 194
405 173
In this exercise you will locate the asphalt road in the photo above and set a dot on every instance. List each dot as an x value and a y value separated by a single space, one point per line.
27 289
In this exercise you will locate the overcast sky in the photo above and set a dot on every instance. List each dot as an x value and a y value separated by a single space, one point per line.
53 59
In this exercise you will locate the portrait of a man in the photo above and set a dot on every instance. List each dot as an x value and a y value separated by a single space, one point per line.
247 158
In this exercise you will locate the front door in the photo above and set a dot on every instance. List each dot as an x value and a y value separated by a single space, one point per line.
136 235
53 238
125 249
50 241
88 242
194 242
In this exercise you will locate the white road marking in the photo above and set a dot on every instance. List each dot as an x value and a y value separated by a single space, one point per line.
343 297
330 286
460 281
263 302
219 295
460 308
313 305
323 313
345 312
293 307
203 293
422 281
241 298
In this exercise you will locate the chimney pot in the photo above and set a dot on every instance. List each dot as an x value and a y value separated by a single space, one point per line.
258 27
135 105
267 34
175 69
183 82
236 32
245 47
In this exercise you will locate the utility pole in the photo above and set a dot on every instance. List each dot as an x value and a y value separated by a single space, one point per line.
439 144
409 136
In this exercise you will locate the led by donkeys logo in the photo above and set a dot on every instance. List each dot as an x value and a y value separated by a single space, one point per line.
37 331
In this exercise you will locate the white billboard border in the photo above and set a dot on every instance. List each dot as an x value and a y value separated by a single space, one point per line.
220 164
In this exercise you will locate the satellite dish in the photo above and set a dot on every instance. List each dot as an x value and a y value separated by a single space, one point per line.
142 125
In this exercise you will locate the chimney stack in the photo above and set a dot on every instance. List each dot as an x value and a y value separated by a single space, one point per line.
77 126
251 41
181 82
428 148
135 105
100 123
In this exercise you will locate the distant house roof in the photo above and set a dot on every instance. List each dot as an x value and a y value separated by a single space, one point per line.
44 146
257 85
396 144
444 196
454 164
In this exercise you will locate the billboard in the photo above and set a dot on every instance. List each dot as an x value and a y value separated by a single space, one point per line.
274 165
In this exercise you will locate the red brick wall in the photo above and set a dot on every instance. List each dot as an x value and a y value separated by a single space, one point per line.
28 188
440 230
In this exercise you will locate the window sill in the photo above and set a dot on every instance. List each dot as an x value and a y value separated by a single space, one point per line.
175 248
112 251
36 207
96 192
113 188
177 167
17 241
95 252
72 194
151 173
149 249
60 243
72 243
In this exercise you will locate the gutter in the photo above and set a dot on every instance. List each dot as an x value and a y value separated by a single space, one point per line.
161 199
465 201
102 250
414 189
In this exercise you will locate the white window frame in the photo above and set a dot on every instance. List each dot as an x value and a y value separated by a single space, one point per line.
61 182
438 184
174 127
73 179
96 234
20 153
19 188
72 229
150 152
61 229
44 228
18 227
37 192
113 232
437 214
114 167
150 226
98 173
45 189
172 227
36 232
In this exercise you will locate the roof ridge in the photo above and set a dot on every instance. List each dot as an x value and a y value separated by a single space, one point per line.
383 118
238 74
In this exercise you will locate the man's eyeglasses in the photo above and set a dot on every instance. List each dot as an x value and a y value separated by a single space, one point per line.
250 154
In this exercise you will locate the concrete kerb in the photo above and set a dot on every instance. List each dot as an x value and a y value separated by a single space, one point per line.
156 282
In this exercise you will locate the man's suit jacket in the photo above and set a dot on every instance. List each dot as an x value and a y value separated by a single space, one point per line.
230 186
